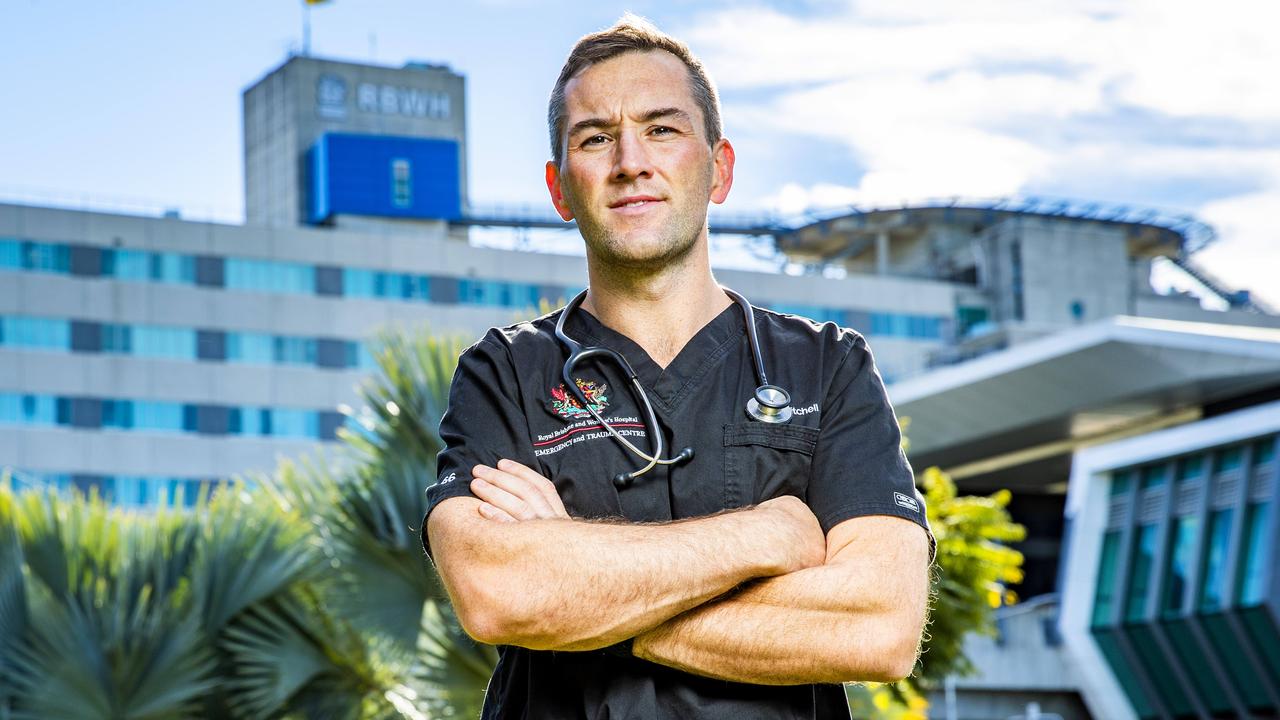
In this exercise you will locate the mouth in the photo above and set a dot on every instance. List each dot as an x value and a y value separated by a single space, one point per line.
634 203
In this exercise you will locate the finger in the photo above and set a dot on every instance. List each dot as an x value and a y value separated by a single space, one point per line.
539 482
522 488
503 500
490 512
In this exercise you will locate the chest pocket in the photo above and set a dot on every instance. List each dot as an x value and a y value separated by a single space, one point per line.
763 461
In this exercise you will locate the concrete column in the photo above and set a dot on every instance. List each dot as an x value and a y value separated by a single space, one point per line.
882 252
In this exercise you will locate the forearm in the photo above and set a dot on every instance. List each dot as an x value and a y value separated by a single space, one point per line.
833 623
575 585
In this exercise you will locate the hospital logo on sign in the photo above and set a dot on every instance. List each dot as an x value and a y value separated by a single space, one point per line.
567 406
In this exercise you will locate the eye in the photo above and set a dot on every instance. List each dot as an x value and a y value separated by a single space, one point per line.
662 130
595 139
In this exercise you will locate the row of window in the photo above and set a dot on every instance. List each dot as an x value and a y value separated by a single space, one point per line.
130 491
272 276
1211 603
177 343
880 324
275 276
160 416
1181 542
1191 467
1180 560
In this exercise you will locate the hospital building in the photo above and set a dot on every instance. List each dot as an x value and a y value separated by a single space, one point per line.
144 356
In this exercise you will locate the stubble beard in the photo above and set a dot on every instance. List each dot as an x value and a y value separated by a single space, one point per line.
654 249
646 250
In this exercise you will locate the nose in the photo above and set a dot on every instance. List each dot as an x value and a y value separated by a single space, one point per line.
630 158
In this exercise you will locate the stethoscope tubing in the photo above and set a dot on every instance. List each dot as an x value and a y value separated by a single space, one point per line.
779 410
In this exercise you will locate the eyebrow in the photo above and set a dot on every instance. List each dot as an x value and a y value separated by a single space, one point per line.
597 123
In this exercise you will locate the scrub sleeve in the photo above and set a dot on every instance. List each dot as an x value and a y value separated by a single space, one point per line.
483 424
859 467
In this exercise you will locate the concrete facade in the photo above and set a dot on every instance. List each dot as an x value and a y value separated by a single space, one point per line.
422 248
293 105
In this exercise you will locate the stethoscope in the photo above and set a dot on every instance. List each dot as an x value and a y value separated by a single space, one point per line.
769 404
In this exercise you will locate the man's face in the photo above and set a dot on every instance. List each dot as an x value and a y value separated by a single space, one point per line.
637 171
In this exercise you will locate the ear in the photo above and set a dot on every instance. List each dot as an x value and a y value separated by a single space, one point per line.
722 173
557 192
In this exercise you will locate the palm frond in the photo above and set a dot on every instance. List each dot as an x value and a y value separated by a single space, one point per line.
13 594
272 656
451 670
248 553
112 646
408 395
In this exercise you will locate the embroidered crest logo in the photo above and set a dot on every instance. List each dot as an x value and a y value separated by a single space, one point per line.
567 406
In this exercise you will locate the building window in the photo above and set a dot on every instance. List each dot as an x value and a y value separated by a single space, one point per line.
28 409
401 183
357 282
1177 573
1153 476
117 339
37 333
164 342
46 257
1228 459
357 355
270 276
163 416
10 254
1253 561
968 318
1215 559
173 268
1264 451
1190 467
294 350
126 264
117 414
1015 278
1121 481
250 348
295 423
1104 593
1144 554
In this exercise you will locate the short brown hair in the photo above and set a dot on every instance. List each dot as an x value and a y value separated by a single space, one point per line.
631 33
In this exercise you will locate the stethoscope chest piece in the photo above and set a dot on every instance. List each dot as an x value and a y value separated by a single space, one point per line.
770 404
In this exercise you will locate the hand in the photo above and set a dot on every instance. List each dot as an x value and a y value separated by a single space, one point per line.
512 492
805 544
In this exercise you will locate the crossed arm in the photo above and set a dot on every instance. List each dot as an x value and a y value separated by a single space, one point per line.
757 595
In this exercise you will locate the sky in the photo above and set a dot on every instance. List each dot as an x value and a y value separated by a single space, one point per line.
1169 104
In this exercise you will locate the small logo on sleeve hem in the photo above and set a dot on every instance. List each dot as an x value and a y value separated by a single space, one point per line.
906 502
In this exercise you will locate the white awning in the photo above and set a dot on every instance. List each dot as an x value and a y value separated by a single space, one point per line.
1081 383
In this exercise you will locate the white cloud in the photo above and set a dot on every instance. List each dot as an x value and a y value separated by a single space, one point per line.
994 96
1249 254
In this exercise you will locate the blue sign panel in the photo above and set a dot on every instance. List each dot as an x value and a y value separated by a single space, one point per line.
383 176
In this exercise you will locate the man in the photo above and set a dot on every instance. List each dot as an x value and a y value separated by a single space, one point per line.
783 559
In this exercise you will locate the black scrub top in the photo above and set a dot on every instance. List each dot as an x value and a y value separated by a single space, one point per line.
840 453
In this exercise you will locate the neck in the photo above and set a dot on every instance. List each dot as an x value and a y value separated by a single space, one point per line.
660 309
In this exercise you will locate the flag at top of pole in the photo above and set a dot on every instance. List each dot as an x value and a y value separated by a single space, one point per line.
306 24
